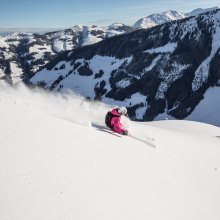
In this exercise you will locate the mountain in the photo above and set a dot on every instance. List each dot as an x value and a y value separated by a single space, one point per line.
54 165
35 50
158 19
163 70
32 51
168 16
199 11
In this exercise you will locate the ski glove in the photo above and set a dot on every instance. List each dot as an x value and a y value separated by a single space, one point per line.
125 132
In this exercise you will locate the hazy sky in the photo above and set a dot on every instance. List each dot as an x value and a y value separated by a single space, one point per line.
67 13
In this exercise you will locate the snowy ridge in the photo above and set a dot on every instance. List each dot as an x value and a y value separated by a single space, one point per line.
158 18
54 165
168 48
199 11
168 16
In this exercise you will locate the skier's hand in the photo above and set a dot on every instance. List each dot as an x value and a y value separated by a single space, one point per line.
125 132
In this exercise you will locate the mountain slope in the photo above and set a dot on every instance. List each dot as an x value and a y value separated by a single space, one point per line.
208 109
35 50
165 69
51 167
11 69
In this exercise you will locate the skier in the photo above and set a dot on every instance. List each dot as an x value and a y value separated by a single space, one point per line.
112 120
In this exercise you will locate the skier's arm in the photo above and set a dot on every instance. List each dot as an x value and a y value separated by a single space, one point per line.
118 126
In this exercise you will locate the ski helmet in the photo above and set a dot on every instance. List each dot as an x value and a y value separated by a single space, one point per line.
122 110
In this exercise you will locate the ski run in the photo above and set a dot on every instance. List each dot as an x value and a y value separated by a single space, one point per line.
55 165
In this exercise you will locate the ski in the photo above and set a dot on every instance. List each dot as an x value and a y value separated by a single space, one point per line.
146 140
104 129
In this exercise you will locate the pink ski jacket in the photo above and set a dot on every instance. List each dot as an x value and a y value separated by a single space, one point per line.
116 123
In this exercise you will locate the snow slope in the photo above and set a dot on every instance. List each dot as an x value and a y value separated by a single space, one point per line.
207 110
54 165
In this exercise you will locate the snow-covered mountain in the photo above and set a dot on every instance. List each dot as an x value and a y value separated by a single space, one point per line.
199 11
35 50
158 19
168 16
54 165
31 51
163 70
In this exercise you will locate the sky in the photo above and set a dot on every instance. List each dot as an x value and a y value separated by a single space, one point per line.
67 13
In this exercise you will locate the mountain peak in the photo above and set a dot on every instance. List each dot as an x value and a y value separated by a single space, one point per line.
117 24
158 18
198 11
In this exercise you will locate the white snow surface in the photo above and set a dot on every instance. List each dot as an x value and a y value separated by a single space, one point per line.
167 48
59 45
104 31
38 51
3 44
153 64
16 73
63 41
54 165
207 110
88 38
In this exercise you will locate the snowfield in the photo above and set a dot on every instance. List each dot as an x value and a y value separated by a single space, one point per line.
206 111
54 165
168 48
